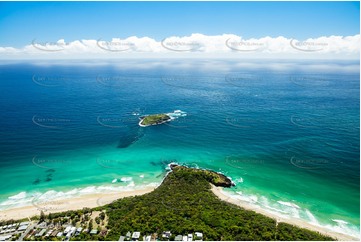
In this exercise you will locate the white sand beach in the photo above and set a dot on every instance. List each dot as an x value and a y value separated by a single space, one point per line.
297 222
94 200
89 201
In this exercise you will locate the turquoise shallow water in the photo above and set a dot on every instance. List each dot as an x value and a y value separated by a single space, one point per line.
289 140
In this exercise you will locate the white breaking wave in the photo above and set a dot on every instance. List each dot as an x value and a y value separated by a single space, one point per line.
311 218
289 204
343 227
19 196
339 221
289 210
176 114
23 199
247 198
126 179
18 199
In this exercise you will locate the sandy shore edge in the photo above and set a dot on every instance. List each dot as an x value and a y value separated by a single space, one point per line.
99 199
300 223
75 203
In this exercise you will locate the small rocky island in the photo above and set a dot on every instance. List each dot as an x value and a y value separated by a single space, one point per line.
154 119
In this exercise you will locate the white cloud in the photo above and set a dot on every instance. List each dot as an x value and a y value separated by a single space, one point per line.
195 45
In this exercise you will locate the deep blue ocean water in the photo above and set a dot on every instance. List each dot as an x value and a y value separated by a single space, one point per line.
289 140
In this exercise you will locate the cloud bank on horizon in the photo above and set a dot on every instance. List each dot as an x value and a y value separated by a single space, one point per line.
195 45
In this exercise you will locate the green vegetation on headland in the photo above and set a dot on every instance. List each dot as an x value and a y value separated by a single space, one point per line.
183 204
154 119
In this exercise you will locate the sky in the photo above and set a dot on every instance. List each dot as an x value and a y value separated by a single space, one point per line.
21 22
27 27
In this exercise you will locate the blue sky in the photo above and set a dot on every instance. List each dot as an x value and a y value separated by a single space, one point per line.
21 22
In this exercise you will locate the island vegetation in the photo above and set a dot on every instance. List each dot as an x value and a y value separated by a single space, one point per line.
154 119
182 205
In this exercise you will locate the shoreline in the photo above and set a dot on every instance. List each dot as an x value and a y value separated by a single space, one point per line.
100 199
75 203
293 221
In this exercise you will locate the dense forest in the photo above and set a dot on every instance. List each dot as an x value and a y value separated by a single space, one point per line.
184 204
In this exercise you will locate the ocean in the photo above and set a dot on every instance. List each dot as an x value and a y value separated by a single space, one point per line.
288 138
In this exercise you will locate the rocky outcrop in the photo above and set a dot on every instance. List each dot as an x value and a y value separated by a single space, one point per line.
217 179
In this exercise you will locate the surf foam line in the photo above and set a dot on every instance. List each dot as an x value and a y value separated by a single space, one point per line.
123 184
176 114
291 210
24 199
